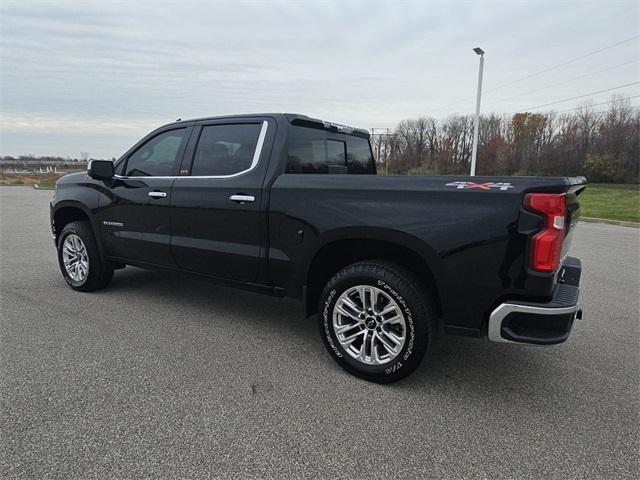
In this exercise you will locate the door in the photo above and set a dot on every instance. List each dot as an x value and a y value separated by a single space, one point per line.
216 216
135 221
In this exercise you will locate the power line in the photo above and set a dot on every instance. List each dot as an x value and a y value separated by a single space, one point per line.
597 104
526 77
600 110
535 74
564 82
578 96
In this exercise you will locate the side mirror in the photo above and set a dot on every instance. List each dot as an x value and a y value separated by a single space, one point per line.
100 169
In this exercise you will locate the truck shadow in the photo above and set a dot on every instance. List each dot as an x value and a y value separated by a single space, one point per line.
453 361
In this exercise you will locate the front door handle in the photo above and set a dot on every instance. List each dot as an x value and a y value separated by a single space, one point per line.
157 194
242 198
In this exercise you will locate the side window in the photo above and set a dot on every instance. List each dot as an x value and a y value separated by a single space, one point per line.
157 157
225 149
309 151
359 156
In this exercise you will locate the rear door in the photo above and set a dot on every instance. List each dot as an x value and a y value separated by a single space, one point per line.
216 214
135 221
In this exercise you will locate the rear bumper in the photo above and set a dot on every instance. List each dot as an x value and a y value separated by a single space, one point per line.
540 323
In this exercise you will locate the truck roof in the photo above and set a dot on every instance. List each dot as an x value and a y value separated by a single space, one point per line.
292 118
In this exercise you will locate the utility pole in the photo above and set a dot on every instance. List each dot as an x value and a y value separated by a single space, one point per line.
474 153
386 154
379 142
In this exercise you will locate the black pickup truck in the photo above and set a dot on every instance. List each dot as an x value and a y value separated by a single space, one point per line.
289 205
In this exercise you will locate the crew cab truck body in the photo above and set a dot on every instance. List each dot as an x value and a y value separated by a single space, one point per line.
291 206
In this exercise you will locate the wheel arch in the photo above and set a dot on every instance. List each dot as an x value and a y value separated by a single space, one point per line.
354 244
70 211
67 212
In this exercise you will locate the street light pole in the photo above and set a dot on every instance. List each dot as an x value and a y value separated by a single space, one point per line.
474 153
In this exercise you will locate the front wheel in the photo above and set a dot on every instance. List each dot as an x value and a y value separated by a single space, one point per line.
79 258
376 320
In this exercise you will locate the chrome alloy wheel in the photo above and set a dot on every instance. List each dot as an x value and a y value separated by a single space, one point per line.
369 325
75 258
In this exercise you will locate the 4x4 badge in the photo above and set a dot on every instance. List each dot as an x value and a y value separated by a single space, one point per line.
480 186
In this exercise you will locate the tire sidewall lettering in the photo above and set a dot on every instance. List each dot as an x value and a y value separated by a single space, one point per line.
410 326
326 319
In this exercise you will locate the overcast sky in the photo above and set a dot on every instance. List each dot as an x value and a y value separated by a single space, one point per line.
96 76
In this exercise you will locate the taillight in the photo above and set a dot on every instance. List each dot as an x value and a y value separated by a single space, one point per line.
546 246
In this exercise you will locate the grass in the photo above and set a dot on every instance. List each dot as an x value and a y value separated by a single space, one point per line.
44 180
611 202
46 184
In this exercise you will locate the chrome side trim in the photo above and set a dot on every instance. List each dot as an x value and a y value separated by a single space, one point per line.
254 162
500 313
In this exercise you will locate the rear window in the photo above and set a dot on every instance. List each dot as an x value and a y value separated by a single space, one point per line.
313 151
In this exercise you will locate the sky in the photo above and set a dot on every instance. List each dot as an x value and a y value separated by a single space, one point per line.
95 77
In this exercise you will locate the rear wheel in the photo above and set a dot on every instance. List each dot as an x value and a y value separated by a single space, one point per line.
80 262
376 320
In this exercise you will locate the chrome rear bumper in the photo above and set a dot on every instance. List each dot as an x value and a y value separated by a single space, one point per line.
540 323
521 327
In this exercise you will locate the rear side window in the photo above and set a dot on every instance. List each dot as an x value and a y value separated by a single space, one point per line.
158 156
225 149
359 156
310 150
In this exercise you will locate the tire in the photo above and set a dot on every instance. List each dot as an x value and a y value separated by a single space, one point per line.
88 272
400 337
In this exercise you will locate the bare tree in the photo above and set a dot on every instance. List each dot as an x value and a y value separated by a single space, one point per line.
584 141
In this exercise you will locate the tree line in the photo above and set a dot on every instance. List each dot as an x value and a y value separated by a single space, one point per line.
604 146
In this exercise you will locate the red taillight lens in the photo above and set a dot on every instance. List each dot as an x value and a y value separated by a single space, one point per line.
546 246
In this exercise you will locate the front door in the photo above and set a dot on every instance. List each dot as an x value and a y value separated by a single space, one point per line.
135 217
216 216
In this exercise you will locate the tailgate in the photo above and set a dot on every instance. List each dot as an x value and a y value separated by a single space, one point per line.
573 213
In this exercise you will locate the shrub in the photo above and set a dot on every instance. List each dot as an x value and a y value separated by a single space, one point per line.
603 168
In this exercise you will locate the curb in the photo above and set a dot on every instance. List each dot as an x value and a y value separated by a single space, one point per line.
610 222
38 187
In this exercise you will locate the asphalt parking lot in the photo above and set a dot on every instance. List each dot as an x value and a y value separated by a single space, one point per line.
160 375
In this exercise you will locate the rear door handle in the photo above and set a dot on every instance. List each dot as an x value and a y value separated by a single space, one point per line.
242 198
157 194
